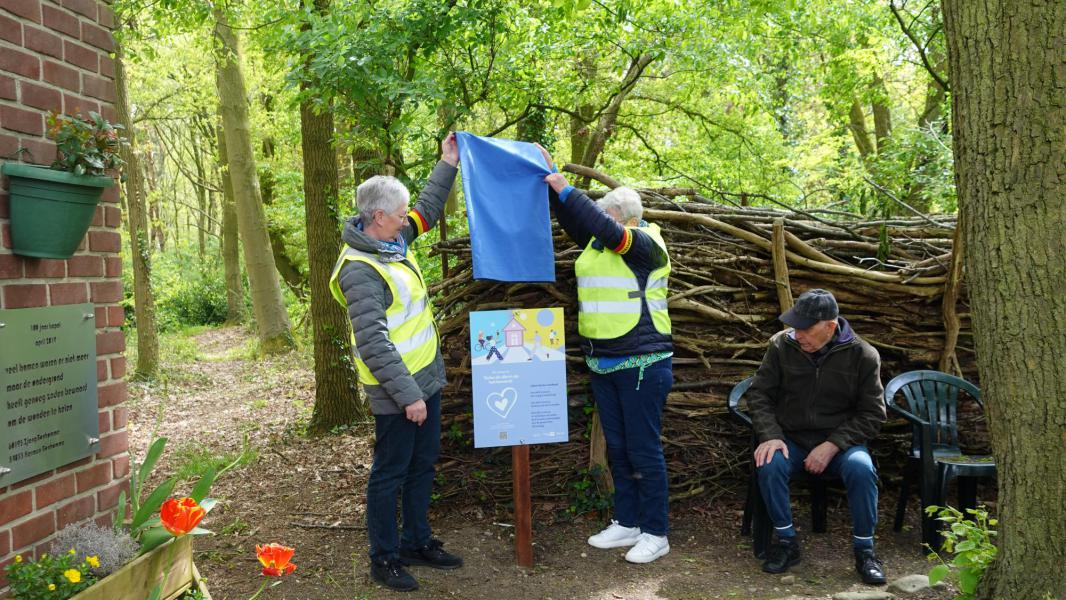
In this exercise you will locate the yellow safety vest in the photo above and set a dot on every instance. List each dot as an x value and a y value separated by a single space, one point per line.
609 294
409 318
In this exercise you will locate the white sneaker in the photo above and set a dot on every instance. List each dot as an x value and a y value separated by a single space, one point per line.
648 548
615 536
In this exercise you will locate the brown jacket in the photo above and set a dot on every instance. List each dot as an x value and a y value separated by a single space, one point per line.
840 400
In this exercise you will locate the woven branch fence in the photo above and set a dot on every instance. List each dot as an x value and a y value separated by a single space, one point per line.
734 269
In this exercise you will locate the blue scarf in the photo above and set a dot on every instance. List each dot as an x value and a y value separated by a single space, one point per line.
389 251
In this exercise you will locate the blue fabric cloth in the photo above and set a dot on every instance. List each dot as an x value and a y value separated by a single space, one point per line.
854 466
404 458
632 425
507 207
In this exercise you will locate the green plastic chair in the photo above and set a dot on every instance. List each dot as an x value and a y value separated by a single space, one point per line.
932 409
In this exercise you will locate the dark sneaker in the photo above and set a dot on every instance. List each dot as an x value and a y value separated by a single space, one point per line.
431 555
391 574
870 568
781 556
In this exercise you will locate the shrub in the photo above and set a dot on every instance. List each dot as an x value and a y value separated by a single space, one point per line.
112 548
971 543
52 576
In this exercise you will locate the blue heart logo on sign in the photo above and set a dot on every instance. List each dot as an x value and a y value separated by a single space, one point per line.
501 403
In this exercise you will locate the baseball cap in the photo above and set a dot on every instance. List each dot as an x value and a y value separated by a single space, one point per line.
811 307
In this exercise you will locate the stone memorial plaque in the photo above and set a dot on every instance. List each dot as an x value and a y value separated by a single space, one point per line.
48 406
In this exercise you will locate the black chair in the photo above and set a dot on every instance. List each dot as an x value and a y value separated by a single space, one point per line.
756 521
935 457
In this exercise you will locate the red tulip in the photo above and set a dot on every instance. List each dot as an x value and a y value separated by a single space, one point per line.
181 516
275 559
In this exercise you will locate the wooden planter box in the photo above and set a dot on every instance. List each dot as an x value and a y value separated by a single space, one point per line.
170 564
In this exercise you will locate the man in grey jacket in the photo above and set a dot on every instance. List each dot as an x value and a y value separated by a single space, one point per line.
398 359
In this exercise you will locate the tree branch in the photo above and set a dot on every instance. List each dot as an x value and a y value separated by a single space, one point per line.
918 46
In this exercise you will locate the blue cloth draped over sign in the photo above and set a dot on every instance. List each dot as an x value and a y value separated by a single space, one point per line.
507 208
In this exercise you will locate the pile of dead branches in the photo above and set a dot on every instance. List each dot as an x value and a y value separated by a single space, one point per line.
734 269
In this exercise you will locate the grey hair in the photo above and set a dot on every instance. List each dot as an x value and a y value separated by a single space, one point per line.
380 192
625 200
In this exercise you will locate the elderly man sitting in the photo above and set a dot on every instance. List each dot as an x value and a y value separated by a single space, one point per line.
816 401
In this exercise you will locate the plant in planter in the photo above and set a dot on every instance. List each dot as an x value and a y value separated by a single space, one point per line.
51 208
50 576
131 560
86 147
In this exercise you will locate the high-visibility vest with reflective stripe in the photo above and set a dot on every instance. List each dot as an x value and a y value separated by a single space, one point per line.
409 318
609 294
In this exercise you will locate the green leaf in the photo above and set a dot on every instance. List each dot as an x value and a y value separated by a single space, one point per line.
204 485
152 503
208 504
120 510
968 579
153 538
201 531
150 458
938 573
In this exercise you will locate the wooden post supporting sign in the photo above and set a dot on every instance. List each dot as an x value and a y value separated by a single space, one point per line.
523 508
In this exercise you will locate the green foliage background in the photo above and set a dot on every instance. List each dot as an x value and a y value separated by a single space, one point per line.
751 102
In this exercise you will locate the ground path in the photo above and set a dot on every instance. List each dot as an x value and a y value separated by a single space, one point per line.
214 401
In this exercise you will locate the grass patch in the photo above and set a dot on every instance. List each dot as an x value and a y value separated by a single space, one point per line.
237 527
248 351
192 460
176 348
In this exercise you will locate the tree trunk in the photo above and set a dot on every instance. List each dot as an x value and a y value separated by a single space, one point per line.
931 113
140 249
882 115
585 113
287 267
859 132
201 195
336 386
605 128
231 258
1006 62
275 333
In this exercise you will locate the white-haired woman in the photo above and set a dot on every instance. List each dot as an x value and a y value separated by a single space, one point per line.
398 359
622 278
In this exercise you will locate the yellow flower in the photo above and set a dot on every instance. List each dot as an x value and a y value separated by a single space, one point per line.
72 551
72 575
51 587
93 561
18 558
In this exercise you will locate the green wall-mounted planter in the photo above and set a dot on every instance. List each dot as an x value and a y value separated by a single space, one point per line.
50 210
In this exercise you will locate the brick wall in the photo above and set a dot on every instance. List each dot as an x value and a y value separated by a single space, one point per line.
54 55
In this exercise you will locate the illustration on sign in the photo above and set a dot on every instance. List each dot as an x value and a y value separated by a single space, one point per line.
519 377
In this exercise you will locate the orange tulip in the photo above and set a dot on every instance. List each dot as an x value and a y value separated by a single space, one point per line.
275 559
181 516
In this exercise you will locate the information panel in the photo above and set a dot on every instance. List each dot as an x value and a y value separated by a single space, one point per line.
518 368
48 405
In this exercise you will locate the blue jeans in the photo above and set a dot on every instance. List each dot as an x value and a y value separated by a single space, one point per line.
632 422
854 466
404 458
